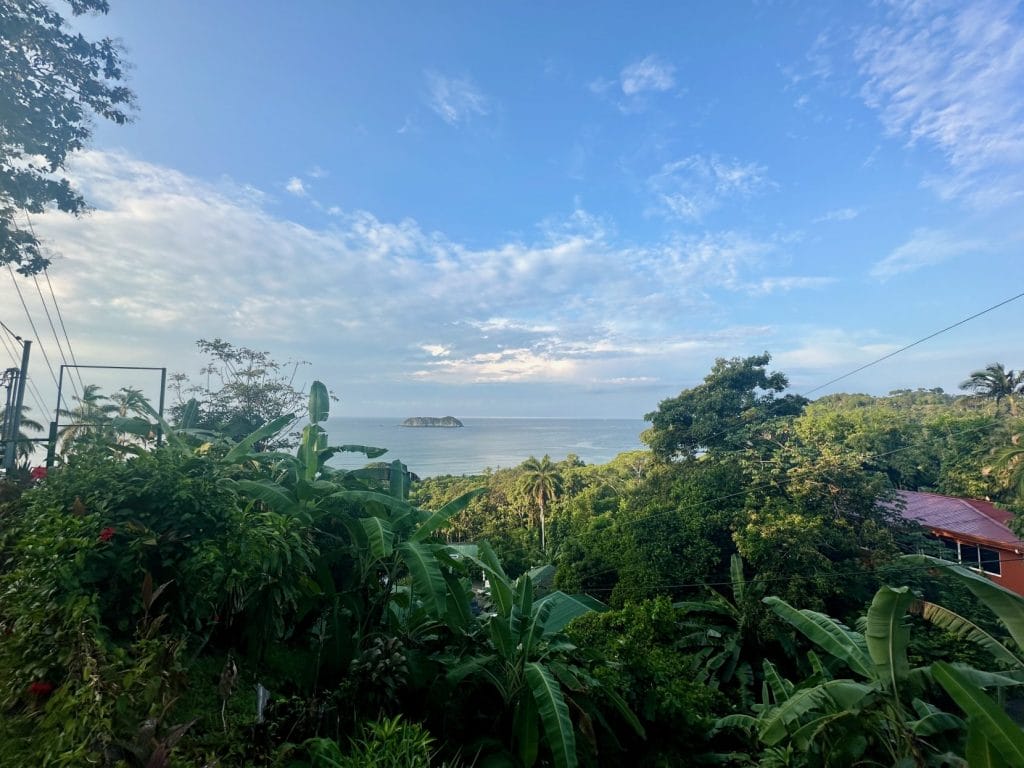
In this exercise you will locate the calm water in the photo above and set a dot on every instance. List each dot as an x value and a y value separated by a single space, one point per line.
484 443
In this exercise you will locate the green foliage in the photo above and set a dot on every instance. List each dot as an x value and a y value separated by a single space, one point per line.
239 390
644 659
388 743
54 83
736 397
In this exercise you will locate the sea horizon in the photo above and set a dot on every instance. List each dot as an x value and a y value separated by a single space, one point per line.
484 443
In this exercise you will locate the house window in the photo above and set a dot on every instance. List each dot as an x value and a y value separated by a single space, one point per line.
974 556
989 560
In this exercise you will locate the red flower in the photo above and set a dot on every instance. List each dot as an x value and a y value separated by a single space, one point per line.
107 534
38 473
40 688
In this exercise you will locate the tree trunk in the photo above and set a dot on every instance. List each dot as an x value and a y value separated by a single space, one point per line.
542 549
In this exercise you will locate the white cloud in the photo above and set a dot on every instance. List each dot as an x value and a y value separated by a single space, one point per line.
296 187
166 258
839 214
436 350
696 185
770 285
456 100
950 75
316 172
648 74
927 247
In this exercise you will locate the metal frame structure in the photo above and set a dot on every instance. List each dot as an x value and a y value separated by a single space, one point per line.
51 449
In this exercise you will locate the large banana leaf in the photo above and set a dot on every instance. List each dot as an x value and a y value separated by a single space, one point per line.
979 750
887 635
828 634
833 697
554 715
427 580
270 493
441 516
501 589
1007 605
983 714
379 536
246 444
526 730
390 503
319 402
398 480
565 608
963 629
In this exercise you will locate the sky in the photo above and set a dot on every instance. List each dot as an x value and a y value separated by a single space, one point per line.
551 209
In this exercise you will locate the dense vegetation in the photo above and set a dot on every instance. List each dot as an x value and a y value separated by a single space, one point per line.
740 594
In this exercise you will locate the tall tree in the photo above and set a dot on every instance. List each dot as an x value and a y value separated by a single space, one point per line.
23 445
723 412
89 419
997 383
52 83
241 389
543 482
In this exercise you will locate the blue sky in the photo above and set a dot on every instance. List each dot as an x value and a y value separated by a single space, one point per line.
555 209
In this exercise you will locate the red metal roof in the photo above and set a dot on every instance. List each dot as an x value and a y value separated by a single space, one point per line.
969 518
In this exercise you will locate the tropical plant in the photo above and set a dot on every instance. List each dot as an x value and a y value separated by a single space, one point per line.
535 669
994 382
720 629
883 714
543 482
89 421
23 444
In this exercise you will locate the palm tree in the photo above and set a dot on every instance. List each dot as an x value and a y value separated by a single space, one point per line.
543 483
997 383
23 443
89 419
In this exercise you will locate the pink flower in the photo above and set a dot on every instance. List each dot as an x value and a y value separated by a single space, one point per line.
107 533
38 473
40 688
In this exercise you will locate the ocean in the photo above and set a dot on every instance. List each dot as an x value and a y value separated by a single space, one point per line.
483 443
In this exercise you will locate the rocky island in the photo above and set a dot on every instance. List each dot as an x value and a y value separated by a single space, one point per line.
432 421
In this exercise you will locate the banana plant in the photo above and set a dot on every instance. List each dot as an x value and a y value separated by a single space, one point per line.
533 666
880 710
993 739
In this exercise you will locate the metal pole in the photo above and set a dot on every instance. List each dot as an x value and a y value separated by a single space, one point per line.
163 388
19 402
51 447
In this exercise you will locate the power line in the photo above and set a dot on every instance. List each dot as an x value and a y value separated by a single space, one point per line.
828 574
16 336
32 389
35 332
56 306
915 343
56 338
60 317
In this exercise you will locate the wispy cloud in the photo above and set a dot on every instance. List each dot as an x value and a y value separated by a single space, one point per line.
694 186
927 247
839 214
166 258
455 99
770 285
950 75
295 186
648 74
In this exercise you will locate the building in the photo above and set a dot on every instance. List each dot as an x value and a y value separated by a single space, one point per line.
975 532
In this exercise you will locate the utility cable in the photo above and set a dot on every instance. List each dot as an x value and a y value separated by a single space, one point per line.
31 387
56 306
915 343
31 322
56 338
652 588
60 317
